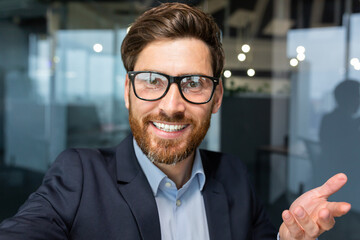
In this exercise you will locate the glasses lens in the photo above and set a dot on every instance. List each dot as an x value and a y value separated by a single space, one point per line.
197 89
150 86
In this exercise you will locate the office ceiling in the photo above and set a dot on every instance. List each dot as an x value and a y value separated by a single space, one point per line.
256 18
254 21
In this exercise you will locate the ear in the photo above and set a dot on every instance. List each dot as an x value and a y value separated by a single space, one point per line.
218 95
126 93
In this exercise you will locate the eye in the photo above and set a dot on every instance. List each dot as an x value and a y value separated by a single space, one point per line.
154 81
193 84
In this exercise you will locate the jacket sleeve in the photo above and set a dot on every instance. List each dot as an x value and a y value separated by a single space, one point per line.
49 212
263 229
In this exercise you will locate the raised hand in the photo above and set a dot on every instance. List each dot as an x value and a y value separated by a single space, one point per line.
311 214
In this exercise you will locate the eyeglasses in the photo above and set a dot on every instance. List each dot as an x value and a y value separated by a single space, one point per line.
152 86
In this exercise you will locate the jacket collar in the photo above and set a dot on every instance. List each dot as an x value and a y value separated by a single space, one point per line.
215 200
136 191
127 166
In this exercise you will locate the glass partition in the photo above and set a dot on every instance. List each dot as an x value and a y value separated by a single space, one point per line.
290 109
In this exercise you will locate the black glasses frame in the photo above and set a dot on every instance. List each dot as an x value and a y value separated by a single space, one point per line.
173 79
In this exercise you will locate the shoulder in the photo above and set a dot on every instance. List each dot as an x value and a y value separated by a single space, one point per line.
96 155
78 161
77 157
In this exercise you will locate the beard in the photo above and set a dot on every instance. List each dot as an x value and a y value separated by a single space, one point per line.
167 151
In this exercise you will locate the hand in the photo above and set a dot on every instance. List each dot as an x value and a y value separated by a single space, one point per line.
311 214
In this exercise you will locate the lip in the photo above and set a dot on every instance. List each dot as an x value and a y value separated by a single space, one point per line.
172 134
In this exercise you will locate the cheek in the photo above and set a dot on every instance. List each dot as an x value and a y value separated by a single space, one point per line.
140 109
201 113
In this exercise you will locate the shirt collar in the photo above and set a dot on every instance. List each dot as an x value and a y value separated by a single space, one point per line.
154 175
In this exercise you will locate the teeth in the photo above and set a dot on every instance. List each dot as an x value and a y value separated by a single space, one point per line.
168 128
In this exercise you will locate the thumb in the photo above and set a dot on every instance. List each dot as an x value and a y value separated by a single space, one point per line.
332 185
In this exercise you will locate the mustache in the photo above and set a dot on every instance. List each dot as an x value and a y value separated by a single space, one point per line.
162 116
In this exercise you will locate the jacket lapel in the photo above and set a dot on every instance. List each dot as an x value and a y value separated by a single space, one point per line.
136 191
216 203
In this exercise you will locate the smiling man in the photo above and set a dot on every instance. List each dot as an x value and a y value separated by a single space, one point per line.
157 184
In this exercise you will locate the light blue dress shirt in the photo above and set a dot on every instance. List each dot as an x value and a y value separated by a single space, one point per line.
181 211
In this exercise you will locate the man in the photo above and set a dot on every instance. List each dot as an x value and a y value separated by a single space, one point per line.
156 184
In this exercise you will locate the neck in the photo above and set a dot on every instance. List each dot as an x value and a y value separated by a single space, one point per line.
179 173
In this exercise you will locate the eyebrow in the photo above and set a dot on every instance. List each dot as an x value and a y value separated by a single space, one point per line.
182 74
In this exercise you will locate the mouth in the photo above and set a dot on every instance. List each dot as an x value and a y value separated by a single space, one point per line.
169 127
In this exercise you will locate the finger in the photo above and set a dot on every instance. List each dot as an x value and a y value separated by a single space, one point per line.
325 220
332 185
311 229
338 209
284 232
294 228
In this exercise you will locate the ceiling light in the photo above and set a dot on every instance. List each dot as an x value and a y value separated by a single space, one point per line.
294 62
241 57
250 72
97 47
227 73
300 49
300 57
245 48
354 61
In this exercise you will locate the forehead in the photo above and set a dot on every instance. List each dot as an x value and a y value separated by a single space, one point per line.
176 57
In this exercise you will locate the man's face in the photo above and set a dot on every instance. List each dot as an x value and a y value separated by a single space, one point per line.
170 129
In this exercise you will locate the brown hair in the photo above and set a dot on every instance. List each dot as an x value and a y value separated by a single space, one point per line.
172 21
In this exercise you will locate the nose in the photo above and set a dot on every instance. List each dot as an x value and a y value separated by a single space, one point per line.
172 103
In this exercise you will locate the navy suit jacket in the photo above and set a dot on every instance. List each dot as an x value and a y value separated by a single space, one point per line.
104 194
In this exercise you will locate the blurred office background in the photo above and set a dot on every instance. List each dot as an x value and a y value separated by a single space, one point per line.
290 110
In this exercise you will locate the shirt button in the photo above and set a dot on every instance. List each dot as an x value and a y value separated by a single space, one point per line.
168 184
178 203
